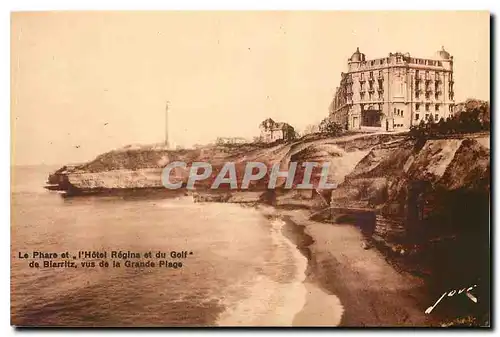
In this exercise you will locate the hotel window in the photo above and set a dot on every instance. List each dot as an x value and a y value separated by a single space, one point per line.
427 107
426 116
395 111
437 107
436 117
417 117
417 106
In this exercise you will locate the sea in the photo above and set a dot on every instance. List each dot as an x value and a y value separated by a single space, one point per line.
240 270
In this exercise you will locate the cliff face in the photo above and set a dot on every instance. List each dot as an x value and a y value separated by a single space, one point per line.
431 197
116 179
374 170
383 178
132 168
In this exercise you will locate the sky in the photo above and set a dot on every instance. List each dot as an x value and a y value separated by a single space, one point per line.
83 83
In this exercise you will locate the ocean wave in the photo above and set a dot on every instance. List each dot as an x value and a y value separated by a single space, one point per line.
266 300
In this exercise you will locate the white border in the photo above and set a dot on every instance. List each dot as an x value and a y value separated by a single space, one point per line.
7 7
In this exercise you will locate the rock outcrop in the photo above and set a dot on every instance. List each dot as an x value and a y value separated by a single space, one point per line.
375 169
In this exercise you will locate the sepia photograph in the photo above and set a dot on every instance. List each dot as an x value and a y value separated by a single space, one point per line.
250 169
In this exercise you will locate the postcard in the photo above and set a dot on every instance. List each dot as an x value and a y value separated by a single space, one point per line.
250 169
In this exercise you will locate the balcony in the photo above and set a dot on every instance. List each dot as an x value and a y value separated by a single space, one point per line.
362 80
380 89
371 90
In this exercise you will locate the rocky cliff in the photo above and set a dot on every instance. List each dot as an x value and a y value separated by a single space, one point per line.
377 168
431 196
383 178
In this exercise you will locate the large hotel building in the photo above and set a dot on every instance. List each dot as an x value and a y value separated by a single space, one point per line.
394 92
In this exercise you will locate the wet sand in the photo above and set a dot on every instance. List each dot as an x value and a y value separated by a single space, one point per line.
370 292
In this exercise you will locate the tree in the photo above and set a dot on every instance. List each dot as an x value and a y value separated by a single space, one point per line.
441 127
473 116
268 124
311 128
330 127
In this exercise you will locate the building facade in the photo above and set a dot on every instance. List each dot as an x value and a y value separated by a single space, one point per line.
271 131
395 92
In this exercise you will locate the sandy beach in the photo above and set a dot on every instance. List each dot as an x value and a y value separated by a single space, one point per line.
346 284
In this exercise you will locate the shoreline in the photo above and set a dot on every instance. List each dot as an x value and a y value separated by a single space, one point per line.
321 308
357 285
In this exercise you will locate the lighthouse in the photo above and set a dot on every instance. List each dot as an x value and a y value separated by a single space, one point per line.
166 125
